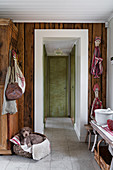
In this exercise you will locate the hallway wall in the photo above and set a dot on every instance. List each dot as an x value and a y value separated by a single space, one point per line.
26 60
109 65
72 84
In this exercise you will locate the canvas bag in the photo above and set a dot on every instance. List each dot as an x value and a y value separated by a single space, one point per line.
16 83
19 77
8 106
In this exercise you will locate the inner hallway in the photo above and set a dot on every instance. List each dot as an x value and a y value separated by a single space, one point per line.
59 78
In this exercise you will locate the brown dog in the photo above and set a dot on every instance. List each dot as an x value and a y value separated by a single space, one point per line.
27 137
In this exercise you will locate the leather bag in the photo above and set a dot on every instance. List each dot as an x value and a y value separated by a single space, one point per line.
13 91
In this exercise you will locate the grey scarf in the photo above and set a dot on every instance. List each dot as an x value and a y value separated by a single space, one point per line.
8 106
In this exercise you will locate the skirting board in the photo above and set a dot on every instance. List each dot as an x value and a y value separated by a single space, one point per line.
80 138
5 152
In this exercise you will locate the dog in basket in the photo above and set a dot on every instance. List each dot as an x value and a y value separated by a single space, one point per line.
29 138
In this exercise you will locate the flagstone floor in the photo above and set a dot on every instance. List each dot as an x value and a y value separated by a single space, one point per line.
67 153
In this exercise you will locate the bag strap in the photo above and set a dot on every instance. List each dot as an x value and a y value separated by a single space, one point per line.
15 63
12 62
10 56
10 49
12 78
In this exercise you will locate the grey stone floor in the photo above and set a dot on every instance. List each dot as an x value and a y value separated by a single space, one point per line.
67 153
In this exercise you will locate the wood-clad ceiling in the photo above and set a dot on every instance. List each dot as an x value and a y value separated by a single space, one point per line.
57 10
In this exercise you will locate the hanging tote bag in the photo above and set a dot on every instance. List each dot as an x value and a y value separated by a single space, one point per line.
9 106
16 86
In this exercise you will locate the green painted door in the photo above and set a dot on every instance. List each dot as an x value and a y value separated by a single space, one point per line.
73 84
58 86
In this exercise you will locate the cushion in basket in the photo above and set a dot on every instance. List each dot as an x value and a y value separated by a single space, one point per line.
39 151
15 140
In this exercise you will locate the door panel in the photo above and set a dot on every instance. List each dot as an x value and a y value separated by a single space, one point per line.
7 128
8 125
3 122
73 84
58 86
45 84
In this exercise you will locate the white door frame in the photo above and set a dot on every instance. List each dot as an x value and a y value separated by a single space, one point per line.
81 77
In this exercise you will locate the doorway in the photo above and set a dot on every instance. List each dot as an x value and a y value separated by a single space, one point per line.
59 81
57 53
81 77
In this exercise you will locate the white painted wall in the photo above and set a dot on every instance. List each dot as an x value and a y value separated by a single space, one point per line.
77 89
109 65
82 77
81 63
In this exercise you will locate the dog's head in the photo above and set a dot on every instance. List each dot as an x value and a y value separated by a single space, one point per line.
25 131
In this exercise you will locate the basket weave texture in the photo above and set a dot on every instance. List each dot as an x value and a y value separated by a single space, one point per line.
102 156
19 151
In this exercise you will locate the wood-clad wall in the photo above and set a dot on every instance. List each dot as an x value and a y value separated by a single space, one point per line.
26 60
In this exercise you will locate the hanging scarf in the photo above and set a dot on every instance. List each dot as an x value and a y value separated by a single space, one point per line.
96 67
8 106
97 104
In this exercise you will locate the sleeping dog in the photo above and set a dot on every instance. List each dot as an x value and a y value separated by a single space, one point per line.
27 137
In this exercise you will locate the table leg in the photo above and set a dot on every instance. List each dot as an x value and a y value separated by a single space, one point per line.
111 151
86 137
89 140
95 141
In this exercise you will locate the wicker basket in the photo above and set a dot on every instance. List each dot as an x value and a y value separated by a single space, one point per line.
19 151
102 156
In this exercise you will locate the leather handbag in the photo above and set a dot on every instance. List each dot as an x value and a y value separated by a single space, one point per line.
13 91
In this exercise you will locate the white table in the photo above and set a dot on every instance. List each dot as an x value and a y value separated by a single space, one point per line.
105 135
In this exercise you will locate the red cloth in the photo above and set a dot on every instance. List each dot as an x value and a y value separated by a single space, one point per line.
96 86
96 67
108 130
97 104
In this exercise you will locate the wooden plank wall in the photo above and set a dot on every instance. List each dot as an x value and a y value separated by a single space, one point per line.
26 51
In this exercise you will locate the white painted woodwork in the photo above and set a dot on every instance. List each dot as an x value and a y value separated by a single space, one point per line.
57 10
109 98
81 78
